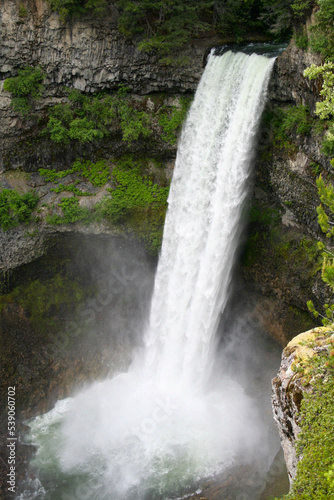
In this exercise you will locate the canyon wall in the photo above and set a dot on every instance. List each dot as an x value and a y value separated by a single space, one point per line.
89 54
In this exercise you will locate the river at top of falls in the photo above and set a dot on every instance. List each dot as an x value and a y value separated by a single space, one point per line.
163 425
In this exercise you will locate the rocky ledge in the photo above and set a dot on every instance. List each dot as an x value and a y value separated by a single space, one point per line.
291 384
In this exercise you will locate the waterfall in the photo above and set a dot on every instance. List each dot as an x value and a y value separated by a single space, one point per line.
151 432
200 239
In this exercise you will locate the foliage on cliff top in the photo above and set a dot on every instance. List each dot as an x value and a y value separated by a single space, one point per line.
69 8
15 208
25 88
166 27
322 32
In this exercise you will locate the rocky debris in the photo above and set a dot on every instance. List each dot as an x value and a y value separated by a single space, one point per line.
289 387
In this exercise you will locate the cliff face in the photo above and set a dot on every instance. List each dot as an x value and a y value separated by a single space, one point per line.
88 54
289 86
282 261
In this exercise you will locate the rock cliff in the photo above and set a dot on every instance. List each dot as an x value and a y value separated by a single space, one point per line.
291 384
280 263
88 54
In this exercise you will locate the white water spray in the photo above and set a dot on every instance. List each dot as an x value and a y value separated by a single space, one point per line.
152 431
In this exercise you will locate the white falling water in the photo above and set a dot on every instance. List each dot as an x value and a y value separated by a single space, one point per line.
150 432
201 231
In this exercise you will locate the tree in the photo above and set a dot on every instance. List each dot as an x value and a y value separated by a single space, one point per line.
325 107
325 110
322 33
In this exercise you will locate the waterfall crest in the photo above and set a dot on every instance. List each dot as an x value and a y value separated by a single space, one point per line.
153 431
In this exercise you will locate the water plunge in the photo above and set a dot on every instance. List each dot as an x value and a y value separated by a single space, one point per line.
151 432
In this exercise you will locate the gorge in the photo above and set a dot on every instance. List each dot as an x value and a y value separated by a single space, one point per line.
164 425
279 261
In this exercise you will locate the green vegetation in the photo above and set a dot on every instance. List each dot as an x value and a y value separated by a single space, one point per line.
287 251
282 17
315 447
171 120
90 118
97 173
15 208
322 33
25 88
45 302
137 203
325 211
72 212
325 107
84 118
71 188
288 120
22 11
165 26
298 119
70 8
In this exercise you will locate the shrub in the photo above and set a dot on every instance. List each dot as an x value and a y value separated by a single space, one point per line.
97 173
166 27
322 33
297 118
136 202
71 8
25 88
89 118
171 120
15 208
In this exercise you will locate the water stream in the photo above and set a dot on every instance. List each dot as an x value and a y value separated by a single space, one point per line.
170 420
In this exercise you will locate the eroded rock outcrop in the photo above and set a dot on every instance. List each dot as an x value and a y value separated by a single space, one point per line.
289 387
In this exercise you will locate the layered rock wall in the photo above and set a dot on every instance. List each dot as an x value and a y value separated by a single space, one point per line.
86 53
